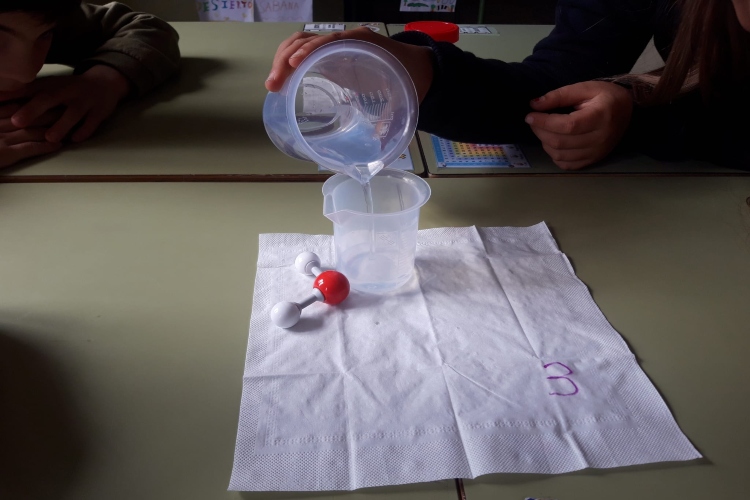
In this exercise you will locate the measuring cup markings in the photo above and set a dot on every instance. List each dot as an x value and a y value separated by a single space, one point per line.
402 263
316 98
386 238
399 258
376 106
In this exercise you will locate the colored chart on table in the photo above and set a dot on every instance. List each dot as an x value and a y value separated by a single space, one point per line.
451 154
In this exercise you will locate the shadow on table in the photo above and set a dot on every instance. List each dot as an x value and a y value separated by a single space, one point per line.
190 127
190 78
180 127
500 479
42 447
417 490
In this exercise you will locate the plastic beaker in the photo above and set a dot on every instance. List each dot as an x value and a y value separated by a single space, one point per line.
375 248
350 106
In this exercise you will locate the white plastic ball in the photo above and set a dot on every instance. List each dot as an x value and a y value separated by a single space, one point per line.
285 314
305 262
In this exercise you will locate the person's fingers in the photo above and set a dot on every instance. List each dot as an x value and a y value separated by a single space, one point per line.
49 118
298 50
287 60
25 150
6 125
72 116
304 50
571 159
9 109
280 68
12 95
24 135
36 107
297 36
567 96
566 141
573 165
581 121
89 126
292 55
290 46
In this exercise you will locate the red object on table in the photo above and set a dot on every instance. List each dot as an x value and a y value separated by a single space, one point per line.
439 31
333 285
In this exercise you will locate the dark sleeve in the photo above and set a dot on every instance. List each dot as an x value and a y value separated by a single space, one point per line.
141 46
686 129
485 100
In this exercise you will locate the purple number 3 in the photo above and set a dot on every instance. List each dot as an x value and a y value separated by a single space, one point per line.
556 377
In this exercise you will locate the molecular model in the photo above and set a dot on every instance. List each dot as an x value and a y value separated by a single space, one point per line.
330 287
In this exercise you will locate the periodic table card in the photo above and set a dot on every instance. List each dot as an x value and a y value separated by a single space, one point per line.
451 154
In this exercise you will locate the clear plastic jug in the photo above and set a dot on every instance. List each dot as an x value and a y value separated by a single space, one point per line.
375 249
350 106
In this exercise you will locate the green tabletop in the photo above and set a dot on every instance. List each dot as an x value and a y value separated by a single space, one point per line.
125 308
206 124
512 43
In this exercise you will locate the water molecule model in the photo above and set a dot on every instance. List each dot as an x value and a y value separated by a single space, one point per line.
330 287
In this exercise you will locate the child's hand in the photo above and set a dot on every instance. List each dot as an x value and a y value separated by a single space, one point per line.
588 134
87 99
22 144
18 144
292 51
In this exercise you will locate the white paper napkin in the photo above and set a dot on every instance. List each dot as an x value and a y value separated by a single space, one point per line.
494 358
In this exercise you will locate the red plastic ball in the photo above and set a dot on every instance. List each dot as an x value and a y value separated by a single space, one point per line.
333 285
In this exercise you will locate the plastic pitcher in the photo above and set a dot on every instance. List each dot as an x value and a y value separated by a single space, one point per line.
375 249
350 106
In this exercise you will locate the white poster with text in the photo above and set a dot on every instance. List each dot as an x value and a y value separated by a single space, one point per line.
225 10
284 10
428 5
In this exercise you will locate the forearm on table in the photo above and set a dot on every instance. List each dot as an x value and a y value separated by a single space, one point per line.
140 46
475 100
